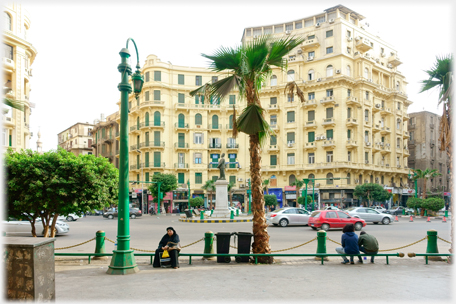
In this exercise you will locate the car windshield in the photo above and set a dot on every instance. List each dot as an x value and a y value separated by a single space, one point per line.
277 210
315 214
351 209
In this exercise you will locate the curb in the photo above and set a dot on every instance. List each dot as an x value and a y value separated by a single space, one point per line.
214 221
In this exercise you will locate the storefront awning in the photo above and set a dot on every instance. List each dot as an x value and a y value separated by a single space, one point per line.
290 188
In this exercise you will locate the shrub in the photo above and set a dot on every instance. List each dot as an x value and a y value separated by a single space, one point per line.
433 204
197 201
414 203
302 200
270 200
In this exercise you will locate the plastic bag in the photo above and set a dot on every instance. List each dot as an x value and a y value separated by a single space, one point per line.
165 254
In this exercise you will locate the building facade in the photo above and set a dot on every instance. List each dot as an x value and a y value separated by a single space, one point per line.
18 57
104 140
425 151
350 130
77 139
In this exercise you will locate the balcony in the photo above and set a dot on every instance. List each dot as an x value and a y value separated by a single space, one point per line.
273 148
9 121
310 43
291 145
213 127
394 60
376 128
406 117
352 122
367 123
215 146
329 143
376 147
309 104
134 128
152 144
385 111
8 64
232 146
367 145
385 130
352 143
153 103
133 109
406 151
232 165
275 127
327 101
181 145
386 148
363 44
273 107
135 166
376 108
156 165
182 166
352 101
310 124
134 147
229 127
152 124
181 126
327 122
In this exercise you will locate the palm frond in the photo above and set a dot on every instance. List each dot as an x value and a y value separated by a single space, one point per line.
291 87
251 121
225 58
201 90
223 87
16 104
235 127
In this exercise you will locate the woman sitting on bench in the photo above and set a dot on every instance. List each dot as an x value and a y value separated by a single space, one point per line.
170 242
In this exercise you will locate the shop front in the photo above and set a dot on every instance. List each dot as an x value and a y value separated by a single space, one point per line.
290 196
278 192
167 202
239 199
199 193
180 200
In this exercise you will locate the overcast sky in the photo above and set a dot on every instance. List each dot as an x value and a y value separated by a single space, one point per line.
75 73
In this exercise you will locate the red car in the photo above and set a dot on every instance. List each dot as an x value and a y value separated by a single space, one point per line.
326 219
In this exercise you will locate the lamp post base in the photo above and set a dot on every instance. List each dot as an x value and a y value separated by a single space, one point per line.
122 263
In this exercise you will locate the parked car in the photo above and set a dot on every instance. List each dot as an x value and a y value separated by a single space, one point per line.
327 219
370 215
379 208
398 210
134 213
331 208
288 216
70 217
14 226
95 212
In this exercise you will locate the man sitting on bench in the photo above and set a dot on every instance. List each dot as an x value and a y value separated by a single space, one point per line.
368 244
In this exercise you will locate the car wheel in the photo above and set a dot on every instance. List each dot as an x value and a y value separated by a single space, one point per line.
325 227
110 217
385 221
133 216
358 226
314 228
375 223
70 218
283 223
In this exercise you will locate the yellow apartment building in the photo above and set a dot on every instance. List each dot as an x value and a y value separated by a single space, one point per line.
104 140
352 128
18 57
77 139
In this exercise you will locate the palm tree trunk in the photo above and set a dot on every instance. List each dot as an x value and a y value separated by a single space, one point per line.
260 227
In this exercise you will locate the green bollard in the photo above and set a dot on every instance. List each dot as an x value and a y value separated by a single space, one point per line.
446 213
403 211
321 244
202 215
208 244
212 211
232 215
432 245
237 212
100 245
425 212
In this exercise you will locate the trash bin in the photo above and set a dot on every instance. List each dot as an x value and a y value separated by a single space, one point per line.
188 213
223 246
244 243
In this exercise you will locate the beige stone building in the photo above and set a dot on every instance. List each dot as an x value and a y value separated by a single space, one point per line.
18 57
104 139
350 130
77 139
425 151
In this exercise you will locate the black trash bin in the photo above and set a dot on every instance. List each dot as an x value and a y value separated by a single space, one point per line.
188 213
223 246
244 243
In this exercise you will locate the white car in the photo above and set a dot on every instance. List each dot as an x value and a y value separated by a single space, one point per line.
70 217
379 208
23 227
331 208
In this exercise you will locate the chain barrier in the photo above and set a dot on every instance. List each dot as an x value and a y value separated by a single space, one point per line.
386 249
444 240
295 246
74 245
143 250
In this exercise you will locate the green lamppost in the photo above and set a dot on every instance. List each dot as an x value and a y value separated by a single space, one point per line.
188 184
123 260
306 181
410 176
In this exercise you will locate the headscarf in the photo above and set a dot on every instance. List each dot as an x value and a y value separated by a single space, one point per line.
166 238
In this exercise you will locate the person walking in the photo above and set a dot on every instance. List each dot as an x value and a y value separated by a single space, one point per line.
368 244
349 244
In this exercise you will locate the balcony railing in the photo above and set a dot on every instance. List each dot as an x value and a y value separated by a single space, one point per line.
152 144
215 127
153 165
232 146
152 124
215 146
273 107
181 145
328 121
179 125
311 124
310 103
134 147
134 128
180 165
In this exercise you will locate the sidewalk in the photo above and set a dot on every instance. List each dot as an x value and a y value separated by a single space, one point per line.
289 279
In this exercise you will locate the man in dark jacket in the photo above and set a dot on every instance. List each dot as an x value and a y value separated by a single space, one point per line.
349 244
368 244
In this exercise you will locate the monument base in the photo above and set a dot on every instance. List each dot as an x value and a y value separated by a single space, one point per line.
221 204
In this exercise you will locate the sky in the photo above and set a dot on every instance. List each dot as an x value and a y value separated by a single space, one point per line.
75 73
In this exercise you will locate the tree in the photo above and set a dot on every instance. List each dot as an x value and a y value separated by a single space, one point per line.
266 185
373 192
433 203
414 203
425 174
168 184
441 78
196 202
209 186
270 200
57 183
302 200
298 183
247 68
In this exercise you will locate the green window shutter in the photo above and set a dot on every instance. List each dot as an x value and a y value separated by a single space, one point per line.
383 139
157 75
311 137
215 122
198 119
181 140
329 134
147 176
147 76
103 133
198 178
137 177
137 163
232 99
233 179
147 95
181 121
273 160
147 139
181 98
156 94
156 138
197 98
214 178
157 159
348 134
291 116
232 158
329 113
180 178
230 121
110 133
147 159
180 79
10 138
157 118
147 119
273 140
311 116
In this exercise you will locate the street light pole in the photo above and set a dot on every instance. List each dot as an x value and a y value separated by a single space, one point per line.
123 260
142 185
188 184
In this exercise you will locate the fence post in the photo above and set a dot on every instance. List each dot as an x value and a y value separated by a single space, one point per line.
100 245
432 245
202 215
231 215
321 244
208 244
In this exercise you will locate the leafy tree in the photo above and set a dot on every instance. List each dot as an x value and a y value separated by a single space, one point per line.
168 184
57 183
433 203
209 186
270 200
302 200
247 68
266 185
373 193
425 174
414 203
196 202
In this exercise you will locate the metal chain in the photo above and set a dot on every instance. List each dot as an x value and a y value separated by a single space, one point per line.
386 249
443 240
143 250
74 245
295 246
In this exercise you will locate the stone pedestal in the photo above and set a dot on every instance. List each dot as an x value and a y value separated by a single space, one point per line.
30 268
221 204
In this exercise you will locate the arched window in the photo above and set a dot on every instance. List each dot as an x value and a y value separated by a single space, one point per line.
348 71
291 180
366 73
137 123
7 20
329 181
147 119
291 75
273 80
311 176
398 86
157 118
198 119
181 120
398 124
311 75
215 122
348 179
329 71
360 177
230 122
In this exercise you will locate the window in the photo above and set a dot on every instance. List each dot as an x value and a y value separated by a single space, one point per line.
198 119
198 178
273 120
308 23
146 95
7 51
329 71
311 95
291 75
321 19
267 30
273 140
349 50
398 105
330 180
366 115
290 138
273 100
329 156
349 92
329 113
348 71
180 79
398 124
329 33
180 178
366 157
198 80
329 134
278 29
349 34
290 158
398 161
214 79
156 94
311 158
311 54
198 158
147 176
289 27
310 37
273 160
311 115
157 75
398 86
7 21
366 136
181 98
366 73
329 92
329 50
311 75
290 117
290 97
298 24
273 80
349 134
311 137
367 95
232 99
412 135
147 76
382 50
349 156
348 112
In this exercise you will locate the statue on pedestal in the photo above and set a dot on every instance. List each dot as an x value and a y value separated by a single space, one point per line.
221 165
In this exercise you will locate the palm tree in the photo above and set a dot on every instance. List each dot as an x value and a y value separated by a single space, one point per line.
266 185
298 183
230 191
441 77
425 174
209 186
248 66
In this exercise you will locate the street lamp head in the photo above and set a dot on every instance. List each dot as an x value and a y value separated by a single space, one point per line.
138 81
